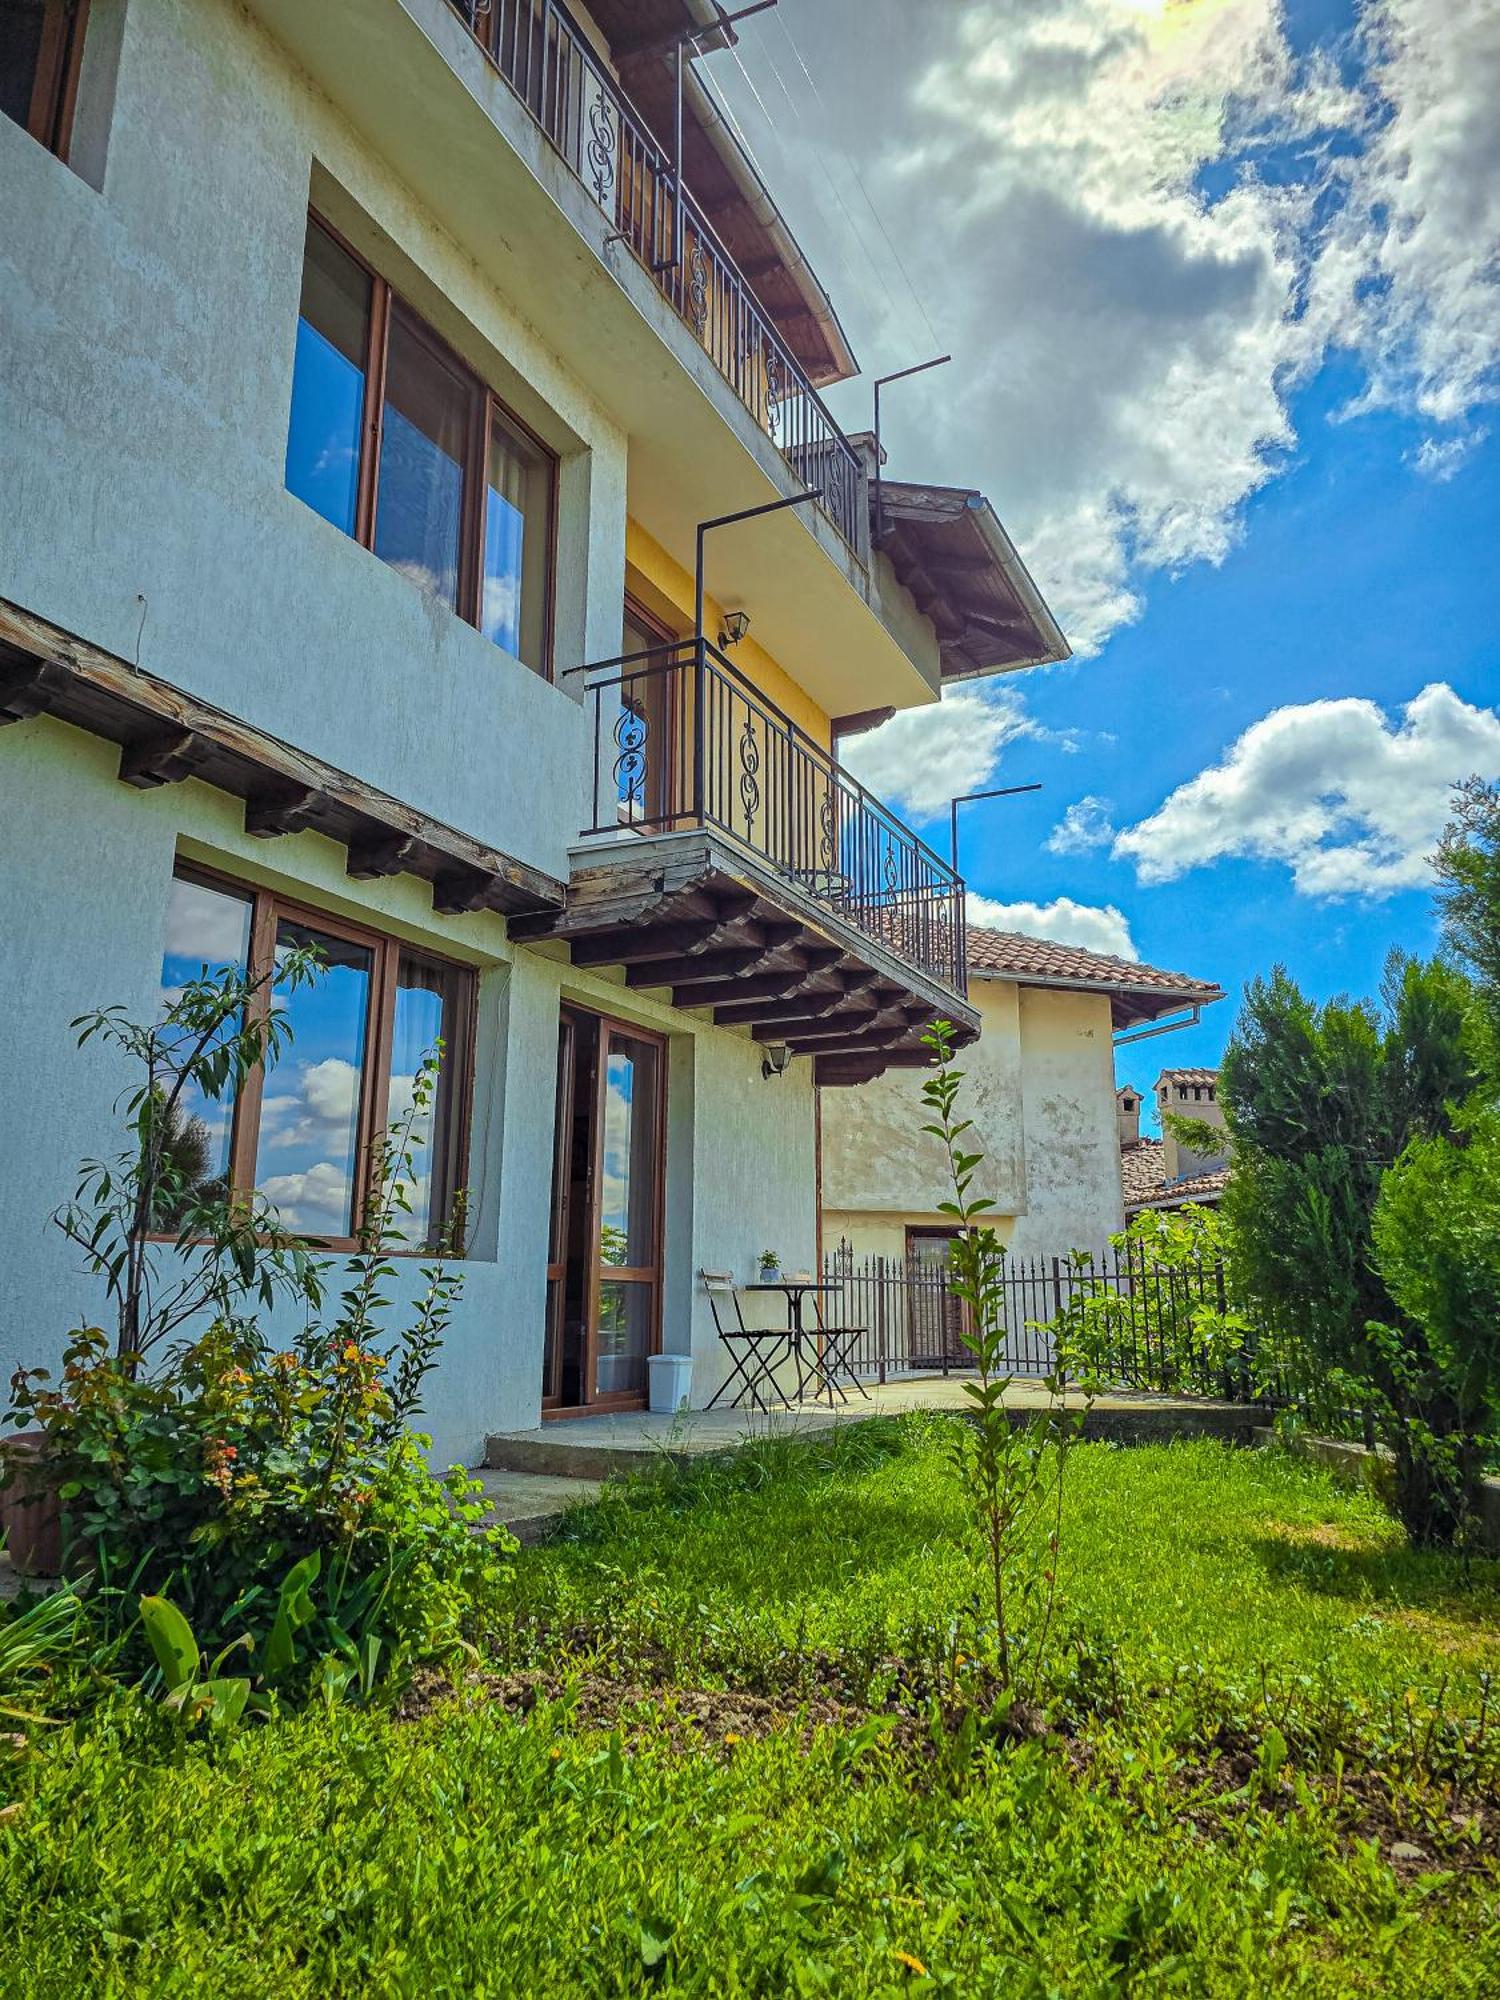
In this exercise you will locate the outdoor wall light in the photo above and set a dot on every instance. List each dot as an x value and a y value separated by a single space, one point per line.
736 625
775 1059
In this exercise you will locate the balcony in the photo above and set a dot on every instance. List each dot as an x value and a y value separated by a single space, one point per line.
611 151
730 858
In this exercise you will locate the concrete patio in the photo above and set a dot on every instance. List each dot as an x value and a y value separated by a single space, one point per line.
533 1476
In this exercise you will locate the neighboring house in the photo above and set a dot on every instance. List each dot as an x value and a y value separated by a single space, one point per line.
371 369
1165 1172
1040 1089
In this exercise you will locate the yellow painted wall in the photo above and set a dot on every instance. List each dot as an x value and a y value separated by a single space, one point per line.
665 588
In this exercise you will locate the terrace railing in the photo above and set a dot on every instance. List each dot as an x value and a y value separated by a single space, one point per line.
683 740
551 66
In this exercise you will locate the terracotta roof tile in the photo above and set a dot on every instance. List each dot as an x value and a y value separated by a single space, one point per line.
1138 992
1141 1170
1198 1076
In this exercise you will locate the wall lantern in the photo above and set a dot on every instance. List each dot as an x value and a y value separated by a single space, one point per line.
736 625
775 1059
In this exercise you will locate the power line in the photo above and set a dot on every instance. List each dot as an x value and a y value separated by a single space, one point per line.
858 178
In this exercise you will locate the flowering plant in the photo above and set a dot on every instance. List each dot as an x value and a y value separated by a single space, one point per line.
206 1476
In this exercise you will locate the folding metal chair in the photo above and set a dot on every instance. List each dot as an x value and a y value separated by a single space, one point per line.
838 1343
754 1352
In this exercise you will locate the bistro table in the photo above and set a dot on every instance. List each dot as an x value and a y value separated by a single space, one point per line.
795 1291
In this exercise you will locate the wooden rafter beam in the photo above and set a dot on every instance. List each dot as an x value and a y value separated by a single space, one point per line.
708 964
164 758
863 1044
738 986
641 941
833 1028
29 687
268 815
369 860
809 1007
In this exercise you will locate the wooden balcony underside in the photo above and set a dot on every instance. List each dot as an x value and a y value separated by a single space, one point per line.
166 735
689 914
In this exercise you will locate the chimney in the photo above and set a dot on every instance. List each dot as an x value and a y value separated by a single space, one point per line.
1128 1107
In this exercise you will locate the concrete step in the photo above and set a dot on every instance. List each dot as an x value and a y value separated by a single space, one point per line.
531 1504
542 1454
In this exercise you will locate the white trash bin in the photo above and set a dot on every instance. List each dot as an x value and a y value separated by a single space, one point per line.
671 1378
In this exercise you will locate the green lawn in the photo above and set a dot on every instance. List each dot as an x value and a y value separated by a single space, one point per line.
1260 1691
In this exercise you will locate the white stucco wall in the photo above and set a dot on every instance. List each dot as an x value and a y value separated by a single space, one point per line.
147 330
1072 1134
83 903
1039 1088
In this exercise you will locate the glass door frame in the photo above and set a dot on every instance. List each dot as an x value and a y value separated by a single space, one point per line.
608 1028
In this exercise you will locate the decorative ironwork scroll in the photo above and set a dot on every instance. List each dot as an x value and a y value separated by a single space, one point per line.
631 732
601 147
749 772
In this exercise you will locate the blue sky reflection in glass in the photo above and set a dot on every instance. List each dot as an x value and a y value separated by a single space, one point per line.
421 1019
208 933
419 507
309 1123
328 382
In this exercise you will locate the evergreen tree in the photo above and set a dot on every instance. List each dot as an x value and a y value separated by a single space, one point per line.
1321 1101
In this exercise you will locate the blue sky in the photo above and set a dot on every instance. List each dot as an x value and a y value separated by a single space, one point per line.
1220 282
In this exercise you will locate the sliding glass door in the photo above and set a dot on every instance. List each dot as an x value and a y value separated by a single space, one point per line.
604 1259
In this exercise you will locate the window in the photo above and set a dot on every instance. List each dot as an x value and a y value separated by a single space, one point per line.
303 1129
395 442
41 44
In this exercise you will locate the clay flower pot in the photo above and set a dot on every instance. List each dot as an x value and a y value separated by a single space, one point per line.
30 1510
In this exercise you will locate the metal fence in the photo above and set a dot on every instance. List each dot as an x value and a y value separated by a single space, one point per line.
911 1323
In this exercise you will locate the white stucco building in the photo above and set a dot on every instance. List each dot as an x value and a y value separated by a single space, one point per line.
1040 1089
369 370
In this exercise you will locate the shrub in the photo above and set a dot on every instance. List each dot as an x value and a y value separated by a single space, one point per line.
226 1464
1011 1471
1321 1100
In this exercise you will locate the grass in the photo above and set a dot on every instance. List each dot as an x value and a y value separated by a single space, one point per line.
730 1782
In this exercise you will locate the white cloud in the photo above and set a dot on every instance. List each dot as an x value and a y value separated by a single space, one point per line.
1442 459
1085 825
1138 224
1351 803
924 757
1095 927
1410 273
315 1201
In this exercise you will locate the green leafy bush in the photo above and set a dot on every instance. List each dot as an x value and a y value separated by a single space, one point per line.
1321 1101
227 1462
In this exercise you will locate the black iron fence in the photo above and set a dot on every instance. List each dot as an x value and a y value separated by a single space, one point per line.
551 66
682 740
911 1323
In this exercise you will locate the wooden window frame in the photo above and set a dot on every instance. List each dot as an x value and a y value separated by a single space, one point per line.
386 303
54 88
597 1275
268 910
670 809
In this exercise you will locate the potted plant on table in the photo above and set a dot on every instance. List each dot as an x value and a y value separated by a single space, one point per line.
770 1267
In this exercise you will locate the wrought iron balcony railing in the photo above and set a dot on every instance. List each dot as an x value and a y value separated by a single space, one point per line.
683 741
546 60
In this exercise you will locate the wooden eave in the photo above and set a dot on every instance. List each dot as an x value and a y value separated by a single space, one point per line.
951 553
166 735
688 914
